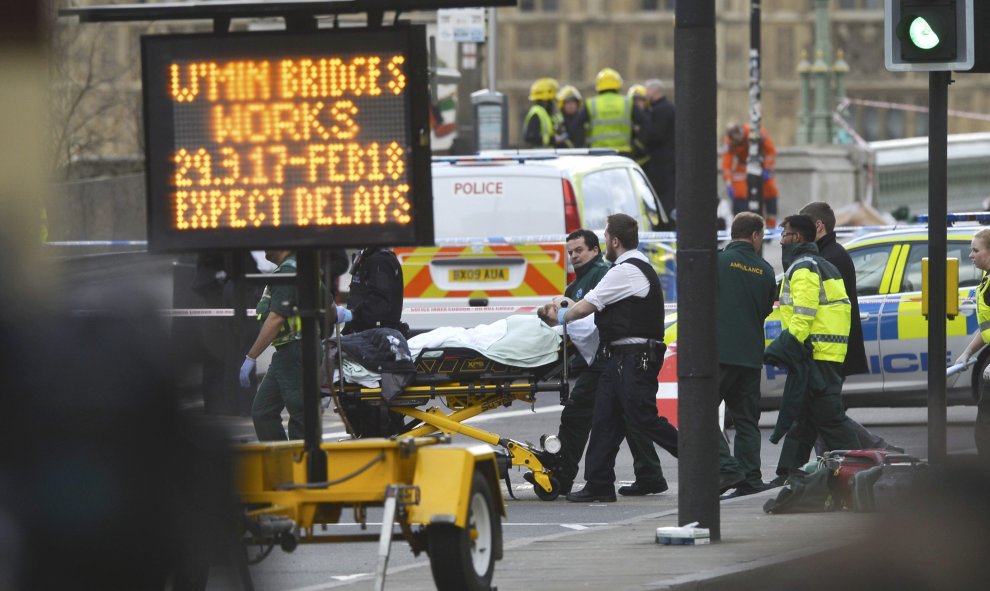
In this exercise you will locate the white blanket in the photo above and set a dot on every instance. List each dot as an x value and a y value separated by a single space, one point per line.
522 340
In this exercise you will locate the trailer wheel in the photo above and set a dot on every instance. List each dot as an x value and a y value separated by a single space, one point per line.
548 495
463 559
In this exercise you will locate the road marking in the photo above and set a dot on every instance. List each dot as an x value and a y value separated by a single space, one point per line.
349 577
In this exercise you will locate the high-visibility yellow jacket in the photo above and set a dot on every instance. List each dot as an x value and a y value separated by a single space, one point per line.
610 121
983 308
546 124
814 306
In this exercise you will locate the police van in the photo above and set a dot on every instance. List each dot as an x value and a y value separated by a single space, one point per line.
888 282
501 219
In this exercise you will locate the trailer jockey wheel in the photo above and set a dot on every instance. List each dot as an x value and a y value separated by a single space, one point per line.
548 495
463 559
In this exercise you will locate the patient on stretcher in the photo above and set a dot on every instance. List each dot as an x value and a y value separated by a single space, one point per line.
522 340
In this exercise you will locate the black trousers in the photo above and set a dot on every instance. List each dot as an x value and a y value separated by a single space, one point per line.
575 427
740 388
821 414
628 387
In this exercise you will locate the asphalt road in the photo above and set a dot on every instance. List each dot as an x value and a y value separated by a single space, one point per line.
311 568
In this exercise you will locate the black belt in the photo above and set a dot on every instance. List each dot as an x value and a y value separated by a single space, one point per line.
633 348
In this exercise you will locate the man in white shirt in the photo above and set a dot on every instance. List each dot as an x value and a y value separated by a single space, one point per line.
628 308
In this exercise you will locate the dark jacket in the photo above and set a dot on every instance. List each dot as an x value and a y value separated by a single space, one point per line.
375 299
836 254
746 291
658 137
803 377
573 127
587 278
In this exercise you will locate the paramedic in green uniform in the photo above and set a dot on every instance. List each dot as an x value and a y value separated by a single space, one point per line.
746 292
282 386
980 255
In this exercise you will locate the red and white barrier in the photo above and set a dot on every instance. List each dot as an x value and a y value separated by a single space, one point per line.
667 388
667 385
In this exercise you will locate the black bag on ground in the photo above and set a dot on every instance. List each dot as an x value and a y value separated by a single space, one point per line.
897 483
803 494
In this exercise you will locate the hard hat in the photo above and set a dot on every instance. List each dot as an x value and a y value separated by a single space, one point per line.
566 93
608 79
734 131
544 89
636 91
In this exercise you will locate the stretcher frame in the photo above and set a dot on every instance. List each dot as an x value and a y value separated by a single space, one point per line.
468 384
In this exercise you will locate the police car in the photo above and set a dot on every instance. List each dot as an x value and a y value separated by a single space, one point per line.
888 280
501 219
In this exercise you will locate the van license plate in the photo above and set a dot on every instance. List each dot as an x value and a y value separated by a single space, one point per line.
479 275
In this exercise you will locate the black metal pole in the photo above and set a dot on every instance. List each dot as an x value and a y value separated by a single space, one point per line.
754 158
938 129
308 282
696 189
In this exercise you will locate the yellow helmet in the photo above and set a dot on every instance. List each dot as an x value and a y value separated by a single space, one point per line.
566 93
544 89
608 79
636 91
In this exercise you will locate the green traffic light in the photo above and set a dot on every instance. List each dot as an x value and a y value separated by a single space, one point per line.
921 34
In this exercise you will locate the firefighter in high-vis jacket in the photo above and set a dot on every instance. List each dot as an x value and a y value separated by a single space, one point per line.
735 156
814 313
570 129
980 255
538 126
609 114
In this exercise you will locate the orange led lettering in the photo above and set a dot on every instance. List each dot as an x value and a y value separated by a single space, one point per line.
401 205
343 112
234 203
232 164
355 162
395 166
299 141
258 202
186 91
398 82
239 81
313 206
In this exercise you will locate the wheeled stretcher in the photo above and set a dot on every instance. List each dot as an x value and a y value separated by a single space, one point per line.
466 383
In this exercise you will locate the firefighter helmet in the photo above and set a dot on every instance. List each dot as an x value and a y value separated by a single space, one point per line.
544 89
636 91
608 79
566 93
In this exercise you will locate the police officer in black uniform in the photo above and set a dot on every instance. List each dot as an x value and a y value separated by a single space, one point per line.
375 300
628 308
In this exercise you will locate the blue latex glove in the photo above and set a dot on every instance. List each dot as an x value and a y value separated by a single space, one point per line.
343 315
767 175
730 192
246 368
560 315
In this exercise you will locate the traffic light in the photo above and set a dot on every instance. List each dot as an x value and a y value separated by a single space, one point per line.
936 35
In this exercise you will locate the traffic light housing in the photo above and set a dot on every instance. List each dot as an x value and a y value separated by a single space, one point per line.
936 35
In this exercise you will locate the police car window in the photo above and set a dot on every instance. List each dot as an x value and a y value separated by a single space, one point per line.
870 263
645 193
969 275
606 192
